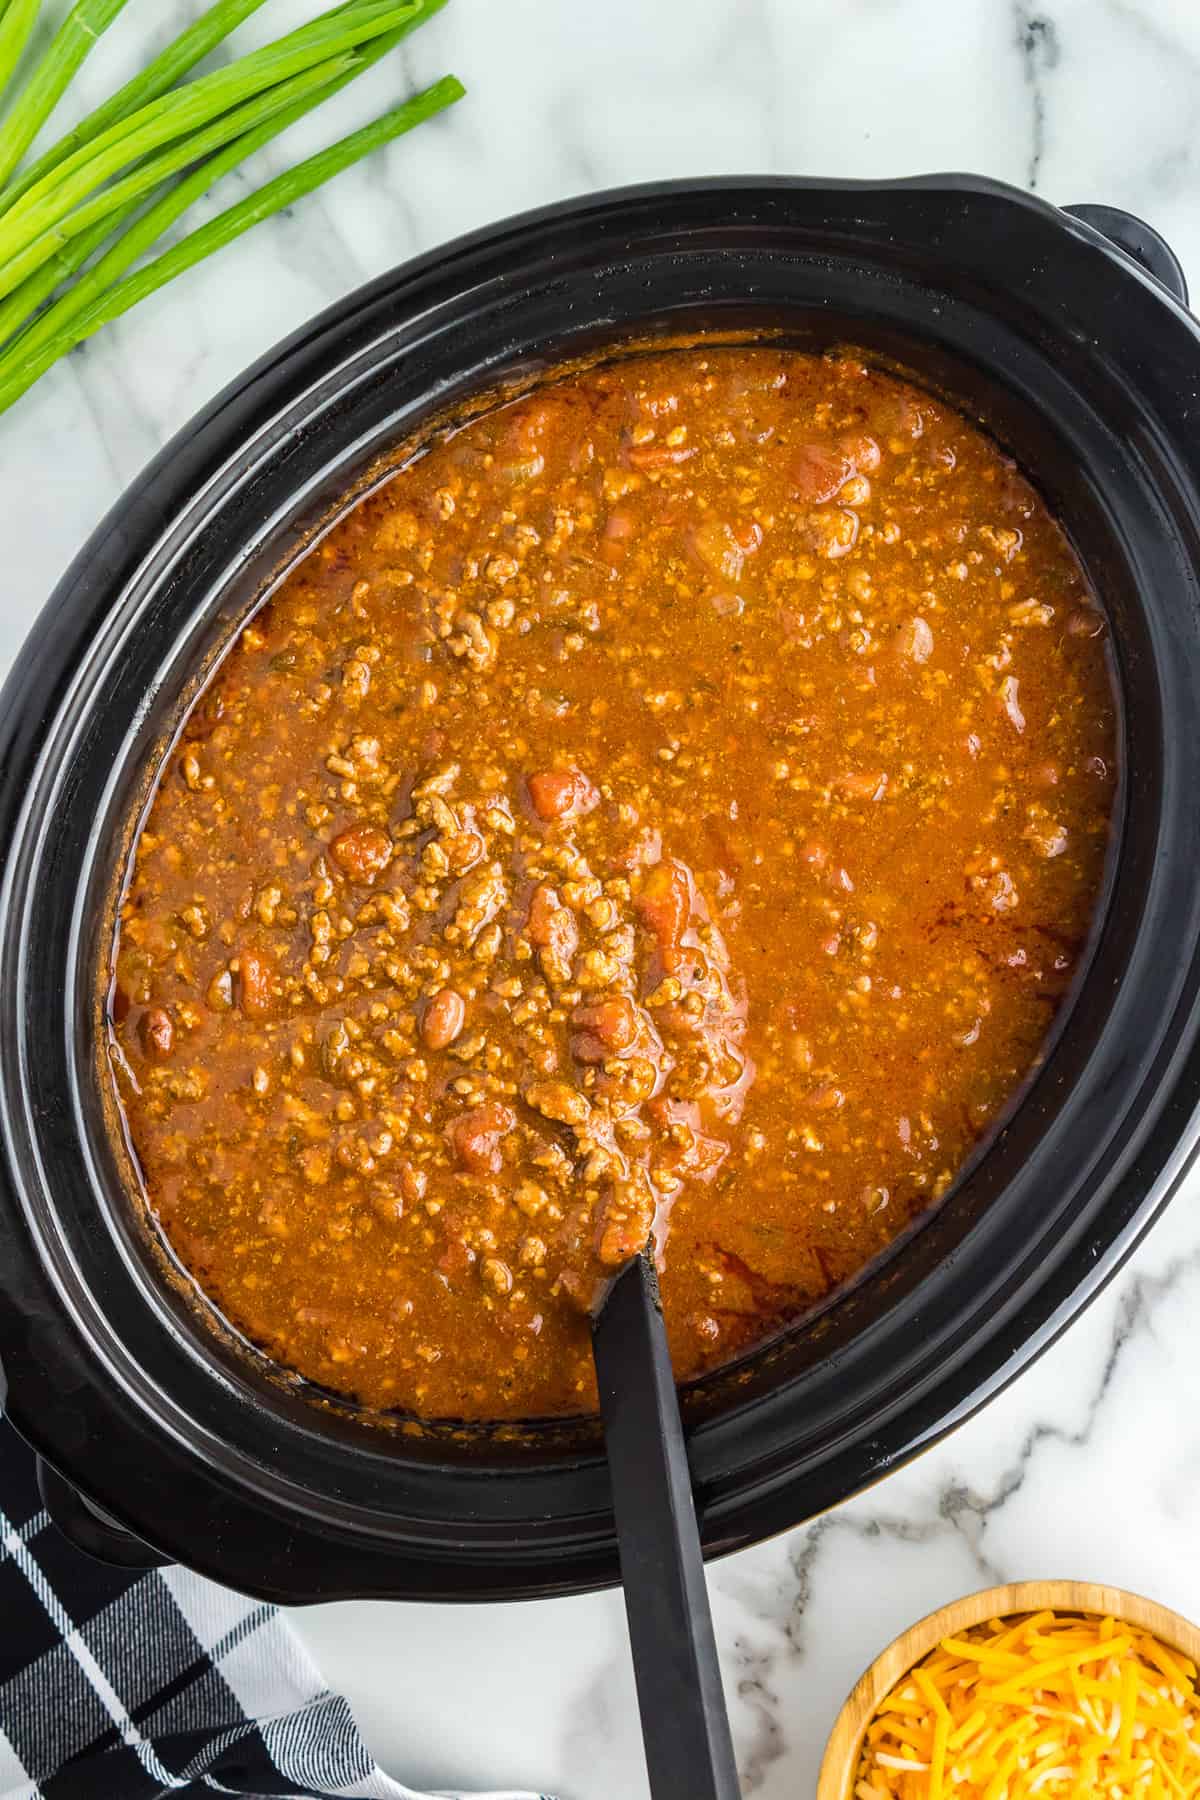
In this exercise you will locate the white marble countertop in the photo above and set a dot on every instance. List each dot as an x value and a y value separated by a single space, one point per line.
1090 1465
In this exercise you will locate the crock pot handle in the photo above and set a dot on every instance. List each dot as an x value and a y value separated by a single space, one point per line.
1138 240
89 1529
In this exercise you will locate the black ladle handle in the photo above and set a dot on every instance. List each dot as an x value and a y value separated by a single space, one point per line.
685 1727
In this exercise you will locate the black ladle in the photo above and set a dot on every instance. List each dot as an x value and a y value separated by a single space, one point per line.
685 1727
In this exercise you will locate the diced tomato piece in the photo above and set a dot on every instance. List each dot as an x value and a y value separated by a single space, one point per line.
724 547
476 1136
157 1033
537 427
605 1027
561 794
893 413
862 450
457 1260
535 420
552 925
625 1223
665 905
817 471
544 905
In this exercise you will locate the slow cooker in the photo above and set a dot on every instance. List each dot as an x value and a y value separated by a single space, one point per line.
1067 335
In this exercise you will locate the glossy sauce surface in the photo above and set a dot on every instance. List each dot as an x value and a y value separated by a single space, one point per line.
674 803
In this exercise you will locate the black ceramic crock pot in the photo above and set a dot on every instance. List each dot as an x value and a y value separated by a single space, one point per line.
1087 367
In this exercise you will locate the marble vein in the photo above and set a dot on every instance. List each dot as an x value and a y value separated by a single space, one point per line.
1037 40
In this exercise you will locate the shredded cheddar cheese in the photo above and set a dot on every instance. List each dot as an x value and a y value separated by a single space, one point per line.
1053 1705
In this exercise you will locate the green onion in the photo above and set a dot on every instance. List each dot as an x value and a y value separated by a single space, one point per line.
156 78
153 223
120 196
76 223
20 305
17 20
86 21
24 301
175 114
20 366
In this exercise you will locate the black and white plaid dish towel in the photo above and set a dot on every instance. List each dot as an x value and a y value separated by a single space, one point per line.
119 1685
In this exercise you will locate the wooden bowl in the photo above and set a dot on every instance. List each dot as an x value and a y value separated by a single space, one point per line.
840 1763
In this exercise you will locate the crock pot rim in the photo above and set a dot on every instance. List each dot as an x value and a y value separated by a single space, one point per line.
49 633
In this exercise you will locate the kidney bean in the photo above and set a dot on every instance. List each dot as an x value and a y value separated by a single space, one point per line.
362 852
444 1018
255 995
